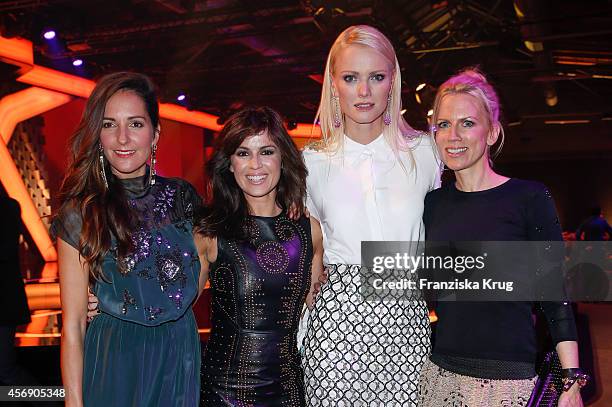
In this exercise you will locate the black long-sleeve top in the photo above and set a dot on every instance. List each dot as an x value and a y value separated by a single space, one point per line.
516 210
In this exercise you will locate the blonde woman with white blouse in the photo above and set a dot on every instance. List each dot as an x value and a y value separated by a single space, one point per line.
367 179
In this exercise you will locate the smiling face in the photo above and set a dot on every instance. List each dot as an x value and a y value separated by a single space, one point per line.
256 165
127 134
464 133
362 79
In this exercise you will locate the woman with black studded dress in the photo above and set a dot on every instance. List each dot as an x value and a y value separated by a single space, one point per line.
262 265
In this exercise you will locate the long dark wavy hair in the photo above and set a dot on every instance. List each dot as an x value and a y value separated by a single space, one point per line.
104 211
227 209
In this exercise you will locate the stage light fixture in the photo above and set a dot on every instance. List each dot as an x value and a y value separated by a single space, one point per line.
49 34
77 62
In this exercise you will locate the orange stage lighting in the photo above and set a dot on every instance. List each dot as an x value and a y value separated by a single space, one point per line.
50 272
15 108
180 114
306 130
43 296
20 52
16 51
11 179
25 104
59 81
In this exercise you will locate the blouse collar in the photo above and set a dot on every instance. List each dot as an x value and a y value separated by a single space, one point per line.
136 187
377 149
377 144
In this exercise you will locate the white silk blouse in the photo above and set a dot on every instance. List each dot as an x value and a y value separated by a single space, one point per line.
362 193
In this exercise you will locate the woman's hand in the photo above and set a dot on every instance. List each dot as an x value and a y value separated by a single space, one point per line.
571 398
92 306
568 356
294 213
318 273
322 279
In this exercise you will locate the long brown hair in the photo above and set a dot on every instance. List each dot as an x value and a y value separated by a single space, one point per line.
227 208
104 211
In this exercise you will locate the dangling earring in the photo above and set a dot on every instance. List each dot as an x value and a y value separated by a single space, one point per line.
102 170
387 116
337 121
152 171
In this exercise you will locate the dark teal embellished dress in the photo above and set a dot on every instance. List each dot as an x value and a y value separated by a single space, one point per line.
144 348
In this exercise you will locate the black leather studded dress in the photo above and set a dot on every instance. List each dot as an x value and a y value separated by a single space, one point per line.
258 290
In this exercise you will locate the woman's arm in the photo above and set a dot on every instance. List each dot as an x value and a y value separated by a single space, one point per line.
568 356
207 252
317 274
74 277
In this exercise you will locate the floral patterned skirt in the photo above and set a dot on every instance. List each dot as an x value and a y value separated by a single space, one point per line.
440 388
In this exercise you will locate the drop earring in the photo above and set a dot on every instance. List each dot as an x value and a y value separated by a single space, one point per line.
337 113
102 169
153 160
387 115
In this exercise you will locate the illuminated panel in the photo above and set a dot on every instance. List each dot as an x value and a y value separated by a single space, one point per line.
180 114
306 130
44 296
16 50
25 104
15 108
50 272
11 179
59 81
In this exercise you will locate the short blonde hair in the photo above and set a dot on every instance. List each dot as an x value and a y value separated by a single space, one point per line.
471 81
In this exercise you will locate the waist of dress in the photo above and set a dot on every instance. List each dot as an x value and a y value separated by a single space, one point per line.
230 328
485 368
342 269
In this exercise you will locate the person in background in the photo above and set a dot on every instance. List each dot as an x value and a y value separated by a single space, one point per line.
13 301
595 227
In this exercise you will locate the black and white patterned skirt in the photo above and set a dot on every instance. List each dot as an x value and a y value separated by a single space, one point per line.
363 353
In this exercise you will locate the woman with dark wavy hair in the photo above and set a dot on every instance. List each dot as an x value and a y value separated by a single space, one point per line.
263 265
127 233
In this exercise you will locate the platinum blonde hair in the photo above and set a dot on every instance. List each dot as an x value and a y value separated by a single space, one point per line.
398 133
